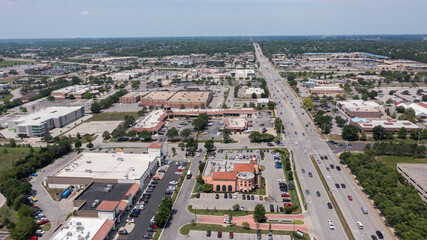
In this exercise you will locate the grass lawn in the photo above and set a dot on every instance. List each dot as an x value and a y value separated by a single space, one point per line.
12 155
297 222
10 62
391 161
217 212
157 234
185 229
5 211
46 227
112 116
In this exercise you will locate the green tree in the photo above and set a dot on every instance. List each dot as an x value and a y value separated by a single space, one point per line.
246 225
24 229
12 143
24 211
259 213
145 135
71 97
254 95
201 121
402 133
207 188
89 145
78 136
172 133
271 105
255 136
163 211
200 180
378 132
202 166
185 133
78 144
226 135
209 145
416 134
340 121
95 107
135 84
400 109
106 135
350 133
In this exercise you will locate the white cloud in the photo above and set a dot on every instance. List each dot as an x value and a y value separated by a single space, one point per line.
85 12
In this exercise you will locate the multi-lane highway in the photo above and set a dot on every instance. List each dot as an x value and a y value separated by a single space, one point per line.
302 138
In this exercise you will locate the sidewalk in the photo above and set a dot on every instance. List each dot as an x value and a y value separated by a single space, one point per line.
2 200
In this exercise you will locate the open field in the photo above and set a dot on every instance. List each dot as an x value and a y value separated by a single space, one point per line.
112 116
10 62
391 161
12 155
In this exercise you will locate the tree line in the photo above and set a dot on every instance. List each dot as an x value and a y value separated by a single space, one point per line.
395 198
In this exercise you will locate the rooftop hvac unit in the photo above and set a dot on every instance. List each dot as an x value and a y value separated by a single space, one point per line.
67 169
69 234
120 159
88 171
79 223
89 161
131 169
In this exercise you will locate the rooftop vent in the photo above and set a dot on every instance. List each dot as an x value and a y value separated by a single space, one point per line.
89 161
88 171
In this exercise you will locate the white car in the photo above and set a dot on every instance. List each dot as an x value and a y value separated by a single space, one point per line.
40 231
331 225
198 154
173 182
359 225
130 220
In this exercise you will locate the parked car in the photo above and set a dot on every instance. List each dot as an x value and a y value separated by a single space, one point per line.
231 235
219 235
216 196
208 233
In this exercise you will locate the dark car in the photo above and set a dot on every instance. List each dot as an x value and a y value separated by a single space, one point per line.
219 234
332 166
321 158
379 234
337 185
148 236
231 235
216 196
271 208
281 209
338 168
151 229
310 174
342 185
123 232
248 197
154 182
374 237
208 233
329 205
198 195
252 197
318 193
225 195
230 196
258 234
326 157
243 197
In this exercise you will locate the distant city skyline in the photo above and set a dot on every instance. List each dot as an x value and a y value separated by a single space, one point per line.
182 18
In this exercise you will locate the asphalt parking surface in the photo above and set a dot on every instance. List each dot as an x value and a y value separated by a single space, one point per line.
142 223
225 235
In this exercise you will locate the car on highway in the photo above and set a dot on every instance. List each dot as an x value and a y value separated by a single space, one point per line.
379 234
307 192
350 198
337 185
321 158
332 166
359 225
331 225
342 185
329 205
374 237
310 174
318 193
338 168
303 170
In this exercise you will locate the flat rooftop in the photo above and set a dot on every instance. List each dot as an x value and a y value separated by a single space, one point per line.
74 89
221 166
77 228
327 88
416 171
190 96
151 120
388 124
37 118
96 191
254 90
236 122
117 165
134 94
360 105
159 95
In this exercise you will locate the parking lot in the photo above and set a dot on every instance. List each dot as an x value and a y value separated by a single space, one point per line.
142 223
225 235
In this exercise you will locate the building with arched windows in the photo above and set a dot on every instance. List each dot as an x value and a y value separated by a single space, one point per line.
232 175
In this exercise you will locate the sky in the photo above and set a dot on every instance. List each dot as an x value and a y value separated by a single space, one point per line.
178 18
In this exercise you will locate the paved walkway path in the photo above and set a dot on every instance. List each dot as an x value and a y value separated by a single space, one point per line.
2 200
209 219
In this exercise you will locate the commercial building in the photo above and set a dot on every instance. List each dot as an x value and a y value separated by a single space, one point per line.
118 167
87 228
174 99
415 174
156 119
232 175
242 73
191 99
77 91
38 124
419 108
367 126
361 109
236 124
247 93
328 91
132 97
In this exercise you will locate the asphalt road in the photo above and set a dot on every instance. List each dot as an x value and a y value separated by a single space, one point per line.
303 140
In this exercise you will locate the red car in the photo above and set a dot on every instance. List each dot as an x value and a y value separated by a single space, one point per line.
285 195
231 235
34 238
43 221
350 198
287 204
261 198
180 169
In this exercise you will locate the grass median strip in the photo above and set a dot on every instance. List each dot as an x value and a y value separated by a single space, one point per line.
347 229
